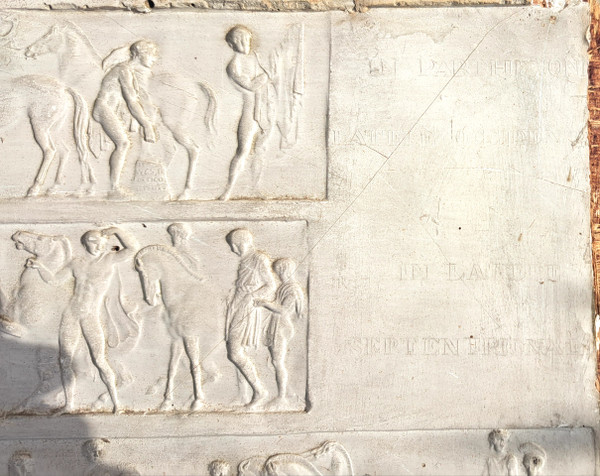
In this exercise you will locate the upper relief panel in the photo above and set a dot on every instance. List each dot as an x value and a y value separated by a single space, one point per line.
177 106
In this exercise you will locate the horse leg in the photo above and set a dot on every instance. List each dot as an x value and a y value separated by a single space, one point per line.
41 133
63 157
175 357
192 348
193 151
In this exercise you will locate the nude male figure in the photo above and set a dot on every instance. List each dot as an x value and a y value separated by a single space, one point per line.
255 282
121 87
82 317
250 77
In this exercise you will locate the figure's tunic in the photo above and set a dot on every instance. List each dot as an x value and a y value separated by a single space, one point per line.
290 297
254 281
505 465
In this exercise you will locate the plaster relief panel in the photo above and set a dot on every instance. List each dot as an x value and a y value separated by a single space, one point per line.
324 244
565 452
219 308
205 109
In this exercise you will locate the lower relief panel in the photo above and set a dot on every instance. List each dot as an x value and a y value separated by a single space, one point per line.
153 317
469 452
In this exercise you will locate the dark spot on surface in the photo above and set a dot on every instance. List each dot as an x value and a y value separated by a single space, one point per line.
151 4
460 228
144 225
116 248
423 465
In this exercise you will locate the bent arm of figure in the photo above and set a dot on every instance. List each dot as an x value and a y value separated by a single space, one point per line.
132 98
268 278
271 306
127 240
54 279
245 81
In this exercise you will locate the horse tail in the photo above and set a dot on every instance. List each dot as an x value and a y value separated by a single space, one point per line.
211 110
81 127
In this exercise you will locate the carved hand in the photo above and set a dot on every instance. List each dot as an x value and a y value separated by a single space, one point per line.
32 263
150 134
109 231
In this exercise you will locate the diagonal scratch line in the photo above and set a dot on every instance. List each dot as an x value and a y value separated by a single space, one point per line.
387 159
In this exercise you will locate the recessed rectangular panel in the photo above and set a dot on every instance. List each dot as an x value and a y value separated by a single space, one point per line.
173 106
154 317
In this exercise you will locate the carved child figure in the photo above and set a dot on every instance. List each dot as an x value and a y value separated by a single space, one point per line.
288 307
500 462
250 78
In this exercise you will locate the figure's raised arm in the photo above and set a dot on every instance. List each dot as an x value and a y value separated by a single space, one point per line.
127 240
134 103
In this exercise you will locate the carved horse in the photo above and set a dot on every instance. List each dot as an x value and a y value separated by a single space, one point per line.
305 464
167 280
175 96
48 104
35 307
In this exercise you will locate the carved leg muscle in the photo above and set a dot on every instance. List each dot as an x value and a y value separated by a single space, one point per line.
176 353
69 335
192 349
94 337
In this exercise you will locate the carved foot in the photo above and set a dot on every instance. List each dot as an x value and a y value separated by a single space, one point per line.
225 196
185 195
197 405
167 405
85 190
34 190
278 404
68 408
52 191
117 194
258 400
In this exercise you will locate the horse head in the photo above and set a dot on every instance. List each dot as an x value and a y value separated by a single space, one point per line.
253 466
48 43
150 282
41 245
